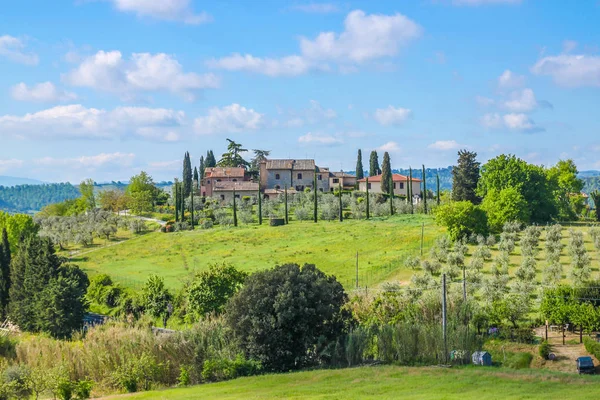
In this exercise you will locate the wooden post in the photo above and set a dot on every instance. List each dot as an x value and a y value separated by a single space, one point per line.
286 204
192 194
341 204
437 178
259 203
424 192
315 205
411 189
367 179
235 221
444 318
392 195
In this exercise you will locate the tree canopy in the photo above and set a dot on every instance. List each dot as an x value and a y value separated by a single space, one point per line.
360 171
465 177
233 158
374 164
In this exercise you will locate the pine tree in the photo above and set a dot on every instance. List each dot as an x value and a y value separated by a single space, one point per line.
196 179
386 174
187 175
5 257
202 168
424 192
367 182
374 164
465 177
360 172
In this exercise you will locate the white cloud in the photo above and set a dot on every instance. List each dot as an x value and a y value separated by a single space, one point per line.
285 66
78 122
320 139
89 162
109 71
6 165
512 121
391 147
41 92
569 46
483 2
168 10
316 8
229 119
392 116
509 80
446 145
570 70
365 38
14 49
522 101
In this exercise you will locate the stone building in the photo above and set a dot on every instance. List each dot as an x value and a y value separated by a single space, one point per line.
294 174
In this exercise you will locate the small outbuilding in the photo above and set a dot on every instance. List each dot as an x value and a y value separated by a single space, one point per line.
482 358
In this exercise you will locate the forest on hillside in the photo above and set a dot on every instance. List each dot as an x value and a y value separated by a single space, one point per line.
30 198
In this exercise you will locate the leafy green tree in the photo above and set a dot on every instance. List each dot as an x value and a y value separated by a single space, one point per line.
87 193
567 188
504 206
283 316
374 164
114 200
259 156
45 294
233 158
386 175
18 227
5 257
513 308
462 218
187 175
212 288
142 192
530 180
156 297
210 160
465 176
360 171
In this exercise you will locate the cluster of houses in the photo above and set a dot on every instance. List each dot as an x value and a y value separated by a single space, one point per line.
277 175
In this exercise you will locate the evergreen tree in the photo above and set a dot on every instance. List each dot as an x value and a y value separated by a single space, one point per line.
187 175
5 257
386 175
201 168
235 220
367 199
176 199
259 194
196 179
410 186
424 192
374 164
192 208
437 192
210 161
465 177
341 203
391 184
285 199
233 158
360 172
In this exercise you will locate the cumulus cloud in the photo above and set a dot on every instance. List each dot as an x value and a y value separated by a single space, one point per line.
89 162
109 71
570 70
512 121
14 49
483 2
327 140
522 101
509 80
316 8
230 119
446 145
78 122
392 116
391 147
45 92
364 38
168 10
6 165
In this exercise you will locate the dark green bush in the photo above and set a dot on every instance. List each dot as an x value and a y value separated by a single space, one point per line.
517 360
544 349
224 369
592 347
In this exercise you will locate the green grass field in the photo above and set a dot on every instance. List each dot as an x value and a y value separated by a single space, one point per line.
382 245
389 382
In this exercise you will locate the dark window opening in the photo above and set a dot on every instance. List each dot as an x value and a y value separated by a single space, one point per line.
277 176
299 176
336 180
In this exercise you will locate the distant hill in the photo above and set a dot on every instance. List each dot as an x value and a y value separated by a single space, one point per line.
32 198
14 181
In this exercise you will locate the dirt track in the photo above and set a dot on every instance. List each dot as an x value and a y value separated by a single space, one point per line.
565 354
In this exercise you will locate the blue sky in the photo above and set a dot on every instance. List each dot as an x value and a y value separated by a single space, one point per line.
106 88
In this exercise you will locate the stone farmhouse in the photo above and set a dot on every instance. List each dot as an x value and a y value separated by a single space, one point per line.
293 174
400 185
220 182
348 181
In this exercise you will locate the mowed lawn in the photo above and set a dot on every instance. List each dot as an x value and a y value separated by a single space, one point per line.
389 382
382 245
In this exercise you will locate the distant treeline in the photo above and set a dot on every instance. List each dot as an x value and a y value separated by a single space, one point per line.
29 198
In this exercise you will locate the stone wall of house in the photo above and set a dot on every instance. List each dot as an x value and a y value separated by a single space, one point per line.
291 179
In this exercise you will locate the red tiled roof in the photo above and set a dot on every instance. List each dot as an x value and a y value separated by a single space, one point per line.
395 178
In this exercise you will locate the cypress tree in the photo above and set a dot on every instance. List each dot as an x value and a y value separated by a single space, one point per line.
192 194
315 196
374 164
341 204
234 210
285 198
182 197
391 195
196 179
386 174
465 177
367 179
410 185
201 167
259 206
437 179
210 161
424 192
176 200
5 257
187 175
360 171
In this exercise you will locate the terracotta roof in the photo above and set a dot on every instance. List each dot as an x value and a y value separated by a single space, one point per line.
297 165
395 178
224 172
241 186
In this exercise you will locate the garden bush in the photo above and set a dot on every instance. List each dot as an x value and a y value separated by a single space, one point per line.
544 349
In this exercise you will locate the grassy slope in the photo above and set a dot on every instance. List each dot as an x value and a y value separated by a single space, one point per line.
394 382
381 243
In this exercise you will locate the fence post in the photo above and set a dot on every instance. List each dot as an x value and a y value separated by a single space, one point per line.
357 269
444 318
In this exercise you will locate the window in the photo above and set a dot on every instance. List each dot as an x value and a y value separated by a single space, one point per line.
208 181
320 177
299 176
401 185
277 187
277 176
320 189
394 184
237 196
218 180
234 180
336 180
369 185
222 197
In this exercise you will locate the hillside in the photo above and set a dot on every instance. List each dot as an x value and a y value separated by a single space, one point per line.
32 198
13 181
382 246
393 382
